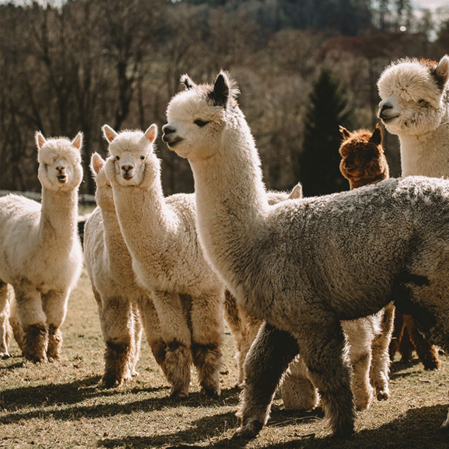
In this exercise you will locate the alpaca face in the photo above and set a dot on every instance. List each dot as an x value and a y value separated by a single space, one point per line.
413 96
363 158
132 155
59 163
197 118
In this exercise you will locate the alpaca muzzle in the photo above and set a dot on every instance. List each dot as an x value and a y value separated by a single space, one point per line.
169 135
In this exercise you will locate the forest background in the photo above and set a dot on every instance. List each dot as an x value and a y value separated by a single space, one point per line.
304 67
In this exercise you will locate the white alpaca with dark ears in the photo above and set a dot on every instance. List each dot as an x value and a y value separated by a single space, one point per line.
305 265
160 234
415 106
40 247
123 304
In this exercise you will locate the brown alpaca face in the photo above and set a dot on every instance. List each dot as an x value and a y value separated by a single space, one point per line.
360 160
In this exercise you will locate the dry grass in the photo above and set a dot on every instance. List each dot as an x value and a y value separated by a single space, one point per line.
62 405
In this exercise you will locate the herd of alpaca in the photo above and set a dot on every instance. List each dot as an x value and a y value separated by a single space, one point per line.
309 287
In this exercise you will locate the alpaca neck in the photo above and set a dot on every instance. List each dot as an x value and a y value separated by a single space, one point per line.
117 253
58 222
426 154
231 203
366 181
146 222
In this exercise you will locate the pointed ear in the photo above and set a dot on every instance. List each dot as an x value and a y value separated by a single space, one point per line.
376 137
221 91
441 73
96 163
187 81
151 133
344 132
78 140
40 139
108 133
296 192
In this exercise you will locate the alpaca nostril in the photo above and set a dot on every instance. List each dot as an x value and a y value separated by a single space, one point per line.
167 129
127 168
384 107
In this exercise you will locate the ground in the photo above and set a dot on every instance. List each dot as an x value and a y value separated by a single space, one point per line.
62 405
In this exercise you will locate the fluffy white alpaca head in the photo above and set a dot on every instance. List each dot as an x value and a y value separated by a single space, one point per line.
198 115
103 195
59 162
132 159
414 95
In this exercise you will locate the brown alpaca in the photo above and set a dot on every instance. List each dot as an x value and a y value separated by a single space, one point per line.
364 162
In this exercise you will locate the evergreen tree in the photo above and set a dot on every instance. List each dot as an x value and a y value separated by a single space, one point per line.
319 160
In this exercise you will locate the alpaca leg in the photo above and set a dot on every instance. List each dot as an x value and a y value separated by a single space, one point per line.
359 339
117 328
152 327
54 304
265 363
14 320
4 324
427 353
32 319
398 332
207 340
380 365
298 393
136 339
329 371
406 347
176 334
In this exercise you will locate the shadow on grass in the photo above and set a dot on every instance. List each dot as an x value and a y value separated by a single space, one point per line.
417 429
73 393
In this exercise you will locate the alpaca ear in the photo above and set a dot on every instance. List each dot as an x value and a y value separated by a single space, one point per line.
344 132
187 81
441 73
78 140
296 192
376 137
151 133
108 133
96 163
220 93
40 139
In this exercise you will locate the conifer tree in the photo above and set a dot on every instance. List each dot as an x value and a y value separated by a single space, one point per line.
319 159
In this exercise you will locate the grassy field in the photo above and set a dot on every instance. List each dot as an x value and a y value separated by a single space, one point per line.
62 405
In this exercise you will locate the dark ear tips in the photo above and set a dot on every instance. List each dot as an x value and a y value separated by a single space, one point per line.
376 137
187 81
220 92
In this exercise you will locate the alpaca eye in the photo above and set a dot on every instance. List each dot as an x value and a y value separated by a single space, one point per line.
200 123
142 157
117 158
421 101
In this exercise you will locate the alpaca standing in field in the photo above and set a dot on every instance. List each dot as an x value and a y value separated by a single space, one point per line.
160 234
123 304
305 265
40 250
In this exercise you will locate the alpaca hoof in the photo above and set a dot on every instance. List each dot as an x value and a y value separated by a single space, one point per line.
344 431
110 381
36 358
383 395
176 394
250 430
211 392
4 355
432 365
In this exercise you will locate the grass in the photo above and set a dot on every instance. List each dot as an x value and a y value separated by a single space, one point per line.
62 404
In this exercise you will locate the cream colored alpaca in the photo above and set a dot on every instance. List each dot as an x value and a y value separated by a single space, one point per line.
160 234
305 265
415 106
40 250
123 304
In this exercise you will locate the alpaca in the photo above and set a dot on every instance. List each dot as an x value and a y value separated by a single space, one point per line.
160 234
123 304
40 248
305 265
415 106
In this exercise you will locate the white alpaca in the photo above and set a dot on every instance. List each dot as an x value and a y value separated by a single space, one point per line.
160 234
415 106
40 250
123 304
305 265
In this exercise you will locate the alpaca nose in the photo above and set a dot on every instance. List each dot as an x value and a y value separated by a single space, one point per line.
127 168
168 129
384 106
